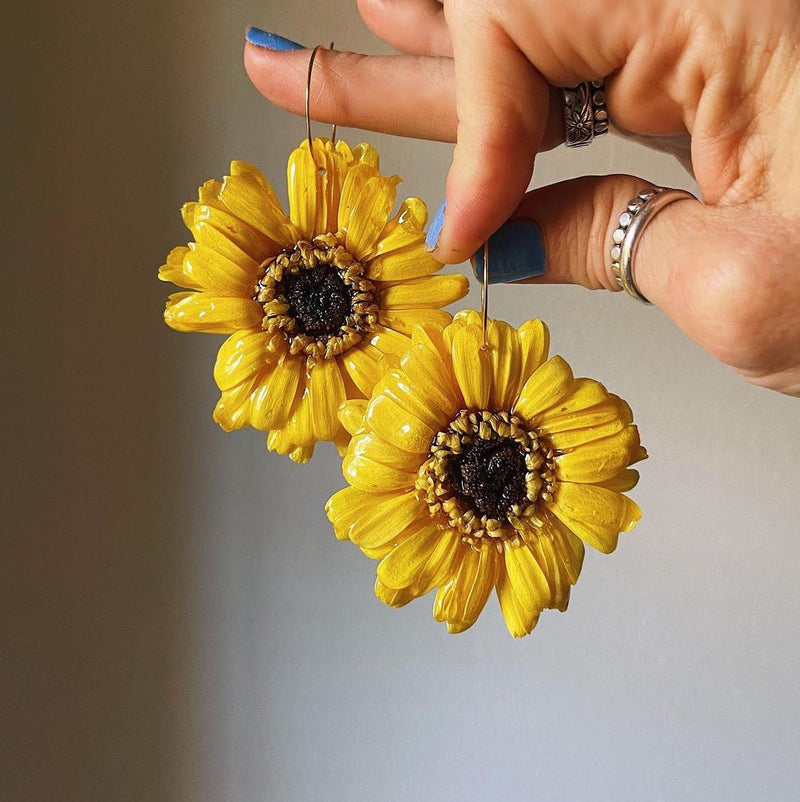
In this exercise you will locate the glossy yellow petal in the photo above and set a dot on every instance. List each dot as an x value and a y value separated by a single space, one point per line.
473 582
526 577
623 482
346 506
554 571
506 359
397 425
374 447
568 545
242 235
389 342
519 620
406 320
396 385
252 173
568 412
172 270
233 408
575 438
472 367
411 262
375 477
364 365
351 415
277 397
392 596
430 292
465 318
399 568
546 387
367 201
306 192
250 201
241 355
432 377
598 460
202 311
595 514
217 274
212 238
534 340
208 193
364 153
438 568
405 230
326 392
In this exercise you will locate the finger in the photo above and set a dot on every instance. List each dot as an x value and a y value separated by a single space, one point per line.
502 105
410 96
411 26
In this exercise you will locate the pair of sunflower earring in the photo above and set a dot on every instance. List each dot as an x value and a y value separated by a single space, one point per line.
474 461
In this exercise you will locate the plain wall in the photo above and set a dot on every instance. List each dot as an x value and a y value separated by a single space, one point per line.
181 622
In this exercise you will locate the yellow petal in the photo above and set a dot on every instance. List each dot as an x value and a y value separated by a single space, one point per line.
364 153
519 620
568 545
212 238
411 262
249 201
367 200
432 377
405 230
595 514
623 482
233 408
390 342
396 385
375 477
305 185
506 360
202 311
472 367
241 355
172 270
277 397
249 171
392 596
405 320
387 519
242 235
598 460
351 415
430 292
345 507
217 274
438 568
476 576
375 448
526 577
326 392
567 413
575 438
553 570
365 365
534 340
398 426
547 386
399 568
208 193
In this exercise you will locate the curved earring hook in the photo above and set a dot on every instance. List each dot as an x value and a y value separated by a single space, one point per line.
308 100
485 295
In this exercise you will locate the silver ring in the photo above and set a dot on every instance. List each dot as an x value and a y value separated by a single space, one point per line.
585 113
632 223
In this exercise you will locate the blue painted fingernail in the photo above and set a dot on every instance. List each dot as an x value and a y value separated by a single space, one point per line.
435 227
516 251
270 41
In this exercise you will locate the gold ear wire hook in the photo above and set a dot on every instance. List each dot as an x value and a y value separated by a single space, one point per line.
485 296
308 101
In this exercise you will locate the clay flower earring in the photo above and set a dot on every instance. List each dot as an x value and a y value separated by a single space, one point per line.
485 466
316 303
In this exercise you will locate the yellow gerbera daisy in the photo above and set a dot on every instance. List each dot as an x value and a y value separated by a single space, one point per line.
476 468
316 303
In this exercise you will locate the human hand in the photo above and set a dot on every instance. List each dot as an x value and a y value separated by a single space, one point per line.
723 74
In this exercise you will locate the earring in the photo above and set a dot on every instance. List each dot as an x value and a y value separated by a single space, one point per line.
317 303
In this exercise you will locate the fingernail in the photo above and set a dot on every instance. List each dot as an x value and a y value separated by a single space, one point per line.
516 251
270 41
435 227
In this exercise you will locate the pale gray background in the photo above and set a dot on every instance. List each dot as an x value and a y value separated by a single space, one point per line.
183 624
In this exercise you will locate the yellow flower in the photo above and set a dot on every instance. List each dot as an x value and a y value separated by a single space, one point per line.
475 469
317 303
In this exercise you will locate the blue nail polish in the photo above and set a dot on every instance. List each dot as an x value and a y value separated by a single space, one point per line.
435 227
270 41
516 251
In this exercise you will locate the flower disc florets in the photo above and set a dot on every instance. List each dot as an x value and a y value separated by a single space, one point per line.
485 470
317 295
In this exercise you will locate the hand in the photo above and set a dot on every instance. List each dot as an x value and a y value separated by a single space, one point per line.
723 73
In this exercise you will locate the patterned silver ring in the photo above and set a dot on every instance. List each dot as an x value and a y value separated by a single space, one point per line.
632 223
585 113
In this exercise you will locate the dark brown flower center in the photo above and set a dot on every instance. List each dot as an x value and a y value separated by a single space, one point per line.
318 299
489 476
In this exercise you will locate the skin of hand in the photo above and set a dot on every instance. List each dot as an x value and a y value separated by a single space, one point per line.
714 81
